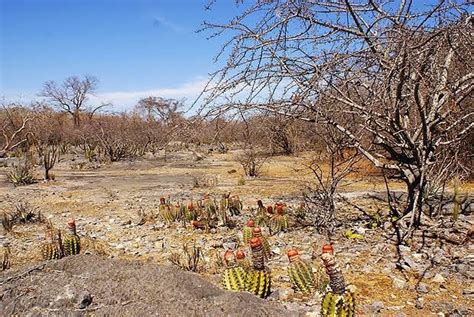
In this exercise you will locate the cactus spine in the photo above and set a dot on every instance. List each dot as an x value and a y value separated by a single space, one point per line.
301 274
50 249
339 301
234 276
248 231
72 242
259 277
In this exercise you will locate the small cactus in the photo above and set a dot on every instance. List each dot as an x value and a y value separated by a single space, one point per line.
223 208
301 274
259 277
279 221
165 211
235 206
234 276
191 212
242 261
339 301
72 242
261 218
248 231
210 207
50 249
257 233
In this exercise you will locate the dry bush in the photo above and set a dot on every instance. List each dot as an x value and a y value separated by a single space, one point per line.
252 161
191 258
21 174
22 213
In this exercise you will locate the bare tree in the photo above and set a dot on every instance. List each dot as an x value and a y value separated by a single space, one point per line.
161 109
72 95
14 122
330 168
403 73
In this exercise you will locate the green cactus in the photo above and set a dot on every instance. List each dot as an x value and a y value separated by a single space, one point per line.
339 301
257 233
210 207
72 242
248 231
50 249
261 218
278 223
336 305
301 274
235 206
191 212
234 276
259 277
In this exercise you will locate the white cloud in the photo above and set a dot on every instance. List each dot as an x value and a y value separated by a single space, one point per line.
123 100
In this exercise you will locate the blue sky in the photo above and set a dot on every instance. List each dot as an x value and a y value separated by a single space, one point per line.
134 47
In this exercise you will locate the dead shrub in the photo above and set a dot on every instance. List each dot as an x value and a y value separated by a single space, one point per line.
188 260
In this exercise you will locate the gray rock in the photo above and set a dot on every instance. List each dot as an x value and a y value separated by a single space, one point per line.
376 307
399 282
420 303
422 288
438 278
85 300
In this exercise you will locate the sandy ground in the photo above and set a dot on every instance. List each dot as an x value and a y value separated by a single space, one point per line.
106 203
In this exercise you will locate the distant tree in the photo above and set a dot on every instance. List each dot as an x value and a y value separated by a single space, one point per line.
72 95
161 109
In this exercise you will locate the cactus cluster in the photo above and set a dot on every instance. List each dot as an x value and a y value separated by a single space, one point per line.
205 210
259 277
55 247
234 277
169 212
339 301
229 206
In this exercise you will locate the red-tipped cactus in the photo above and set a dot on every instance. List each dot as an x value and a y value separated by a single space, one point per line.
261 217
301 274
259 277
257 233
279 221
72 242
248 231
242 261
339 301
234 276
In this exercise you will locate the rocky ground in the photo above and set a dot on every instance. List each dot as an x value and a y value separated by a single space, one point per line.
114 207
